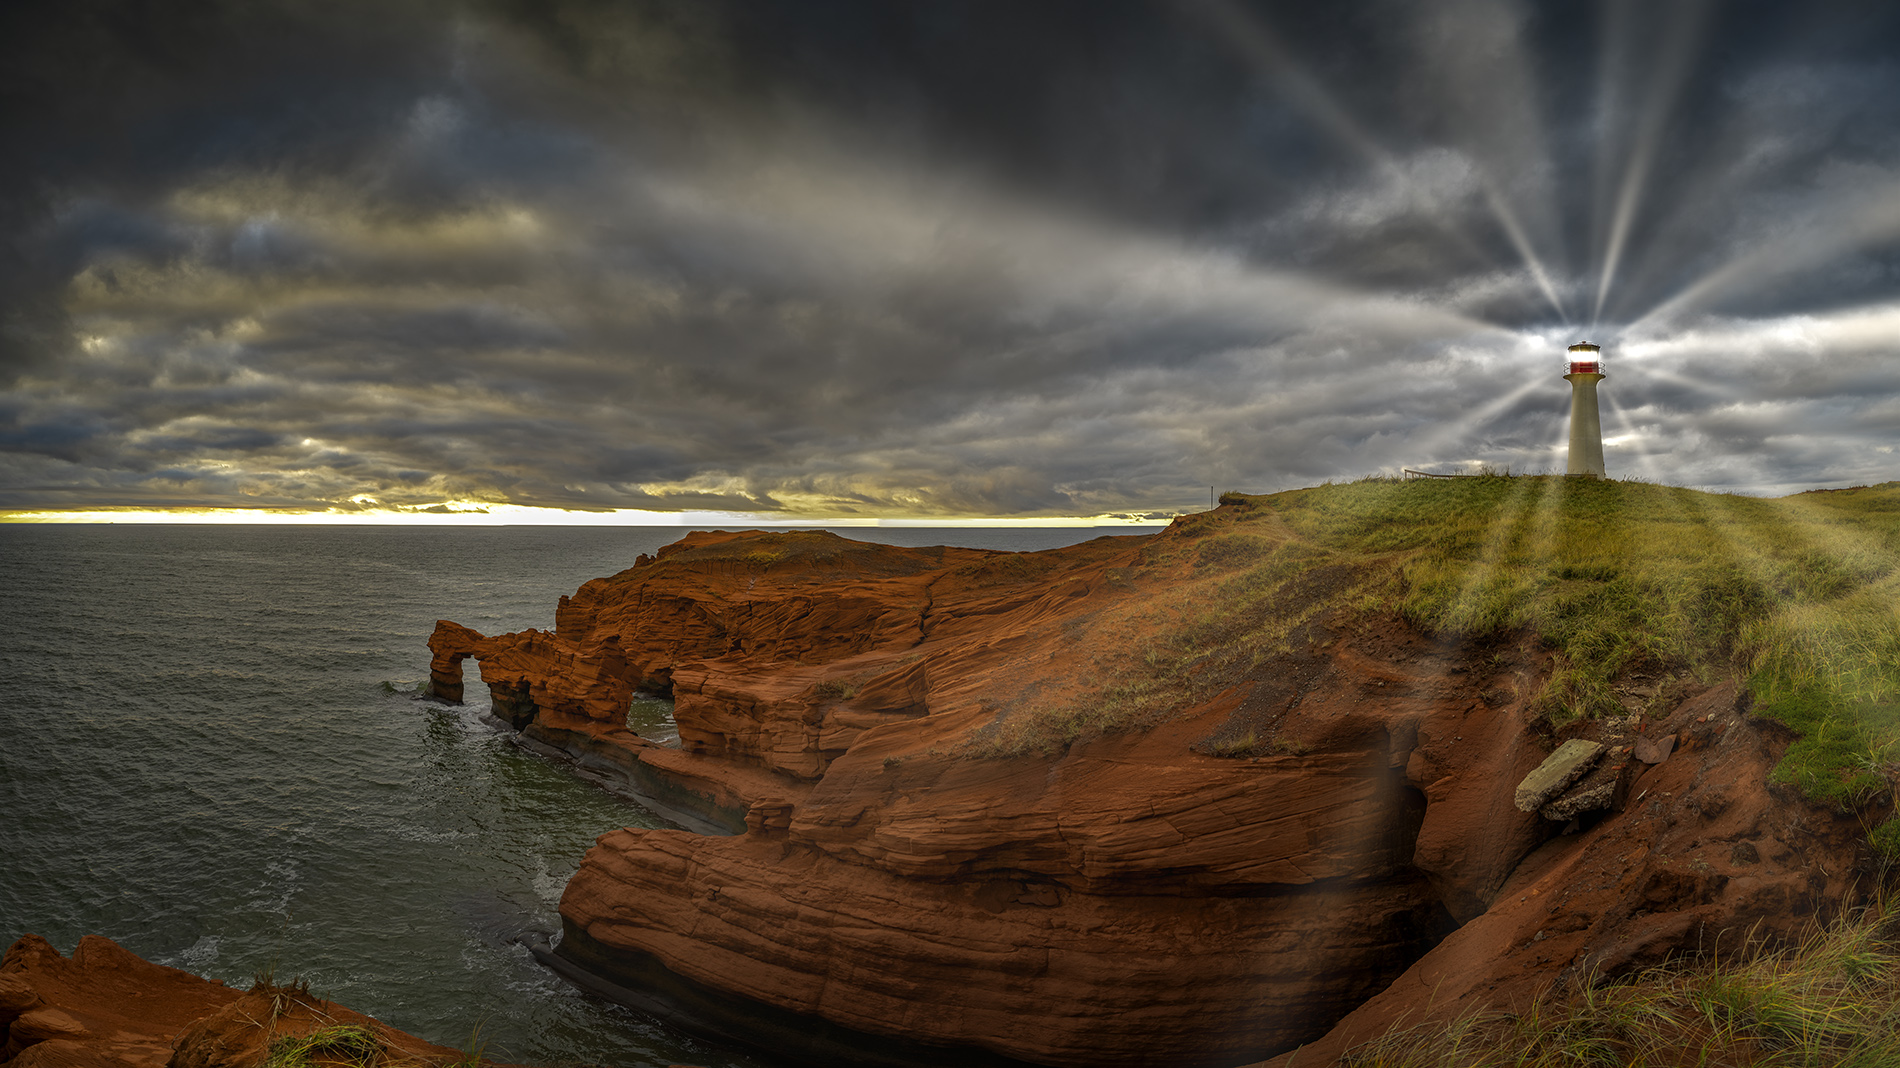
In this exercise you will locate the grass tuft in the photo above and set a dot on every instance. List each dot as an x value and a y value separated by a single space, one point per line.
344 1044
1832 1000
1247 745
473 1051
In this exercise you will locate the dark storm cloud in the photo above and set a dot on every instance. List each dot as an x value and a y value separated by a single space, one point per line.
977 258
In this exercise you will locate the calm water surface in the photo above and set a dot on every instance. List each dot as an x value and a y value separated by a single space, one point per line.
208 754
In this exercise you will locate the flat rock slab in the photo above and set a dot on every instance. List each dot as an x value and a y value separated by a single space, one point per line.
1579 801
1655 750
1563 767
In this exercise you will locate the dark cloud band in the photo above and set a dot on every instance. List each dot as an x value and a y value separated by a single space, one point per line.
980 259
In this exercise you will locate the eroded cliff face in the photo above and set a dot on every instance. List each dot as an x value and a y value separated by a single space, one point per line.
106 1007
1123 896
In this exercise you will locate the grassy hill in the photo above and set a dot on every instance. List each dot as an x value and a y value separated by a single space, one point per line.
1797 596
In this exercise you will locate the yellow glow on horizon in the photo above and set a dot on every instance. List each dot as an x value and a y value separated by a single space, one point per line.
474 513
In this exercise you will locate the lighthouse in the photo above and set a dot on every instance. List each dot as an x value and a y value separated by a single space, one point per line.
1584 369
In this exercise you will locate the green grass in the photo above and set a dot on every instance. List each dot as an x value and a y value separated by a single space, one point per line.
1799 597
1833 1000
342 1044
337 1045
474 1051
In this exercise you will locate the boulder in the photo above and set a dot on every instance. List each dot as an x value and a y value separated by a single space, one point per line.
1563 767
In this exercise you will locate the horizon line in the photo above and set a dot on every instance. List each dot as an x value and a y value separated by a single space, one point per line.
471 514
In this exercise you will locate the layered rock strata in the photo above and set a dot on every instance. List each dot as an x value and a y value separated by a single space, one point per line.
1289 844
106 1007
1704 857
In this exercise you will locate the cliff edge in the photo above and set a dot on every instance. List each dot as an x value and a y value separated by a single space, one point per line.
1200 797
106 1007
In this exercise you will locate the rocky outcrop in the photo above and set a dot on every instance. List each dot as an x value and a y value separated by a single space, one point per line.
108 1007
1054 911
244 1032
1704 857
1570 762
104 1006
1319 838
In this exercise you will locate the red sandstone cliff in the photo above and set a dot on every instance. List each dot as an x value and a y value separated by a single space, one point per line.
1122 898
106 1007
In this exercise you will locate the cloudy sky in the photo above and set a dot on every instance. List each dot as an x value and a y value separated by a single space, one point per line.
825 258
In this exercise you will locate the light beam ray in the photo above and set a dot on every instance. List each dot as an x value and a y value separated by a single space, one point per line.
1720 390
1505 534
1486 94
1665 83
1645 457
1262 47
1476 418
1515 231
1875 219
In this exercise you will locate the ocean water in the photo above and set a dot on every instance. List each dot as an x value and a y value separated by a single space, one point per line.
209 753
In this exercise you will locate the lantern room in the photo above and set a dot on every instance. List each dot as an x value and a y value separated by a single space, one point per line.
1584 359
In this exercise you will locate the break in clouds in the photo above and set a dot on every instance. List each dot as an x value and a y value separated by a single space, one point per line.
998 259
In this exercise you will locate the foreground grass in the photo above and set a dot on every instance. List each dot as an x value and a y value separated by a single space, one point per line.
1798 596
341 1045
337 1045
1833 1001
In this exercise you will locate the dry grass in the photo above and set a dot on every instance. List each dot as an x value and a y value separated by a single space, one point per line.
1234 600
1832 1001
344 1044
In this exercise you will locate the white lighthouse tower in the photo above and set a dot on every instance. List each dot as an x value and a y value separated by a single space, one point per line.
1584 363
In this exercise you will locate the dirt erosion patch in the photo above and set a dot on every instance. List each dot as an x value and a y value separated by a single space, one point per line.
1181 799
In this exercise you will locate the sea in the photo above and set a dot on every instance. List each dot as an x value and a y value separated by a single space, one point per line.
212 751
